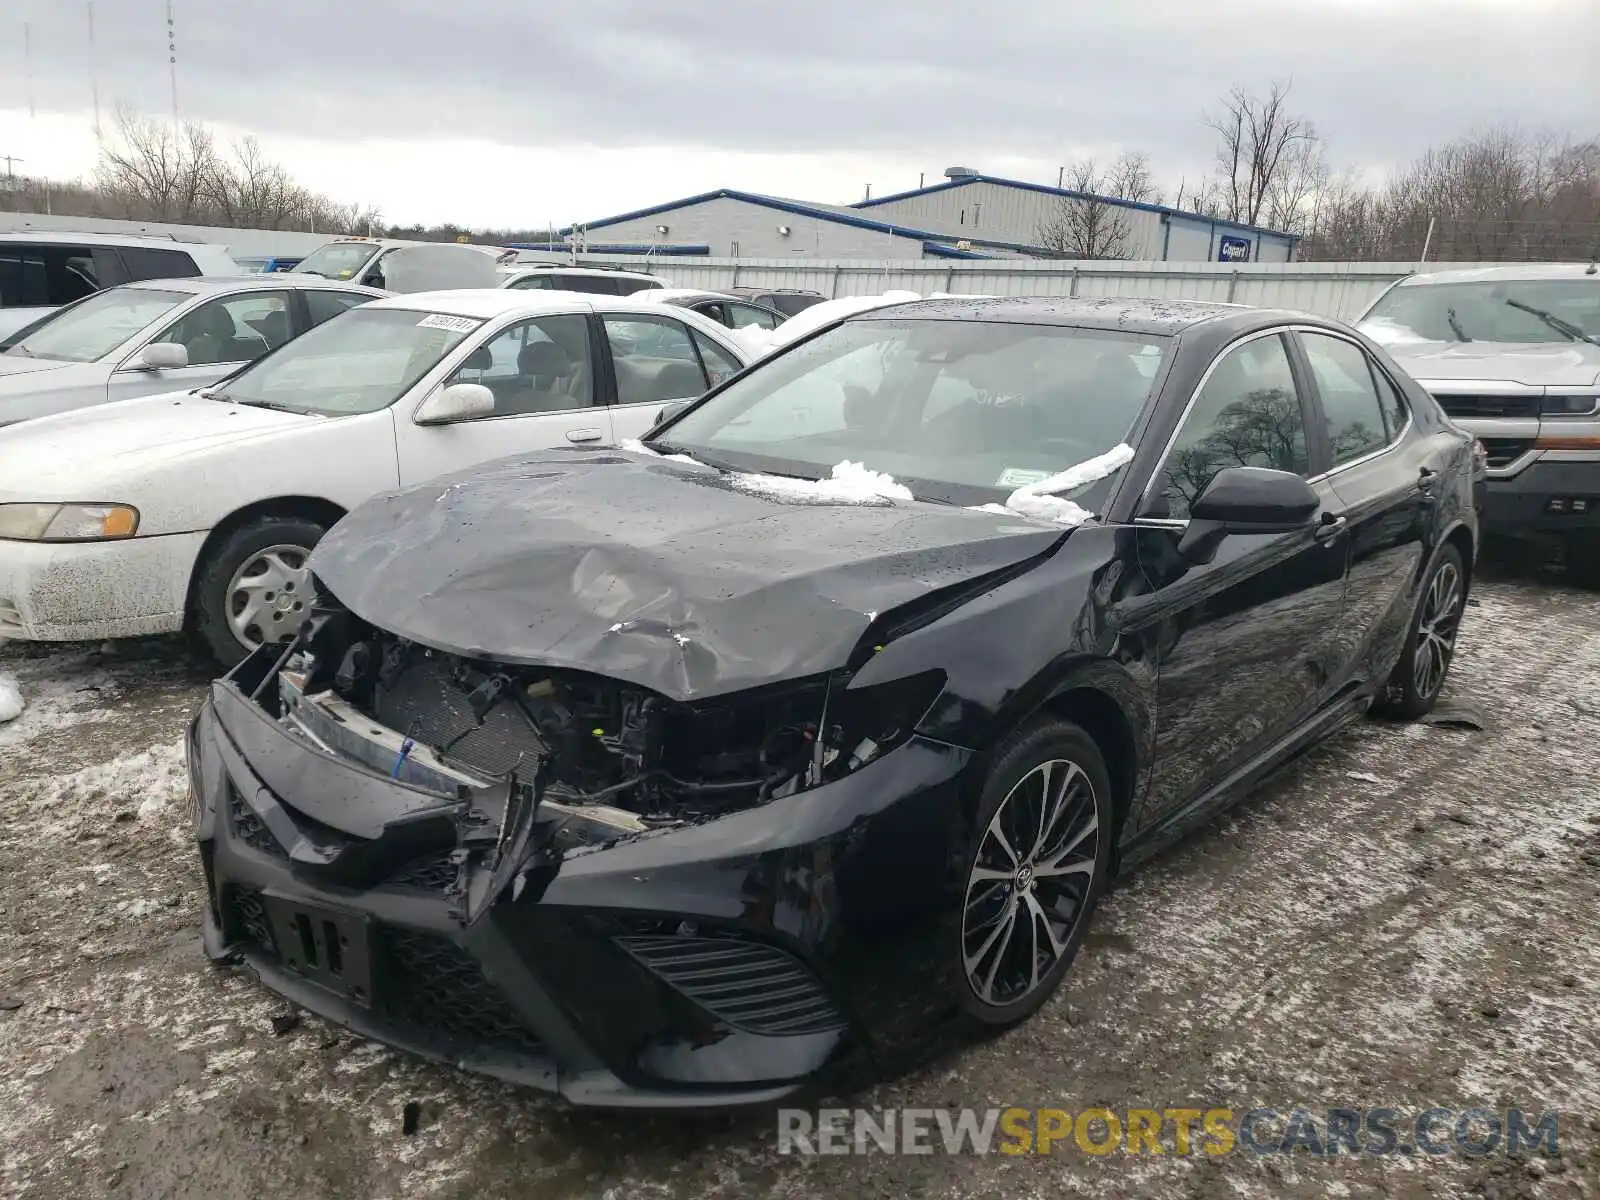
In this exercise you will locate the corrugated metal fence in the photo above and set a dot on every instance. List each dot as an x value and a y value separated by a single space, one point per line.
1330 289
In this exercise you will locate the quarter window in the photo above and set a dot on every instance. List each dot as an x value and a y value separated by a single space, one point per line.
1247 415
655 360
1395 409
1357 423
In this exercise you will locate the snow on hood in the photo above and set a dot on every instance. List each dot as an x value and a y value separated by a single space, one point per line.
1038 501
59 457
849 482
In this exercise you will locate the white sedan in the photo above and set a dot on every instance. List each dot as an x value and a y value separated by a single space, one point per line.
197 510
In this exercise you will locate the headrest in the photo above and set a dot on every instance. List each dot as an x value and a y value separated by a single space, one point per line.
543 358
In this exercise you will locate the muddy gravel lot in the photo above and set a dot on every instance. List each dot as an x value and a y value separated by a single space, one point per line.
1410 918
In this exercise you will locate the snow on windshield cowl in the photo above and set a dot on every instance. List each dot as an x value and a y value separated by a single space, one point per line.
1038 500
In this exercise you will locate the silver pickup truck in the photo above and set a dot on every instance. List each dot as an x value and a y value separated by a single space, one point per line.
1512 354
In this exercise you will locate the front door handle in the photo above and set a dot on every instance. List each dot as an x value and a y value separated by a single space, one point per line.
1330 527
583 435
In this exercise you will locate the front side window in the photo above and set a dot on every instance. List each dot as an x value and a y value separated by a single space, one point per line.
1530 310
961 411
536 366
232 329
97 325
655 360
533 283
362 362
1247 414
1350 403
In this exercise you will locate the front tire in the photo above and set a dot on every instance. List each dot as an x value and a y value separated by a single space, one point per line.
1418 678
1040 855
253 587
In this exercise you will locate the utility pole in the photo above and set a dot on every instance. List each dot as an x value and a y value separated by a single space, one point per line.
94 72
9 159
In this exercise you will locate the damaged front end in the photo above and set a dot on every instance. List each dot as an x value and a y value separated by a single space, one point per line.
591 885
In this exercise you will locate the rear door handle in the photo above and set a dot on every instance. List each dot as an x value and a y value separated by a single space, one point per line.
583 435
1330 527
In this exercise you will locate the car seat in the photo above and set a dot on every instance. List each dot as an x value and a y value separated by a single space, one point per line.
542 371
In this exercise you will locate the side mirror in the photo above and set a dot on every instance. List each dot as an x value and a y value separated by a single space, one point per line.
1246 500
163 356
458 402
668 411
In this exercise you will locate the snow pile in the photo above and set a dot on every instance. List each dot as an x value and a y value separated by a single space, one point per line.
635 446
849 483
1038 501
10 699
759 342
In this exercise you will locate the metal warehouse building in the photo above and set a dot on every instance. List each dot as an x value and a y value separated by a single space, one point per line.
970 215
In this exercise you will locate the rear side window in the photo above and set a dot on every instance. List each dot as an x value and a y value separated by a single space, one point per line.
1356 420
24 279
654 359
326 305
144 262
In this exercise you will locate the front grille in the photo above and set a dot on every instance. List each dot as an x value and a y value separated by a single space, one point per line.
423 703
251 917
248 827
750 985
436 986
1504 451
430 873
1490 406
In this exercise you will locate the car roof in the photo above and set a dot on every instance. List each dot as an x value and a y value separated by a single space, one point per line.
519 269
72 237
488 303
203 285
1527 272
672 295
1103 312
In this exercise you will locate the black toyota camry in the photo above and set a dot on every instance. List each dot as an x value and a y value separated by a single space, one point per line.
687 773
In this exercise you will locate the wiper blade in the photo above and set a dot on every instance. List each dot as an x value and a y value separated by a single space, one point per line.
272 404
1559 324
1455 325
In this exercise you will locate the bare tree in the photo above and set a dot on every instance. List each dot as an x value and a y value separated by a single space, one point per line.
1130 178
1088 224
1260 141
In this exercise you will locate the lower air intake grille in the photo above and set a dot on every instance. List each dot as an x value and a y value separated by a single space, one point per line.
248 827
425 704
250 916
751 986
437 987
1490 406
431 873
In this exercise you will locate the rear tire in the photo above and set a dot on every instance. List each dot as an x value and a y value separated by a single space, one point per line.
247 567
1033 873
1418 678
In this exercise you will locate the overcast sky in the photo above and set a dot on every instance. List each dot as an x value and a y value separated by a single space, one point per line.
490 112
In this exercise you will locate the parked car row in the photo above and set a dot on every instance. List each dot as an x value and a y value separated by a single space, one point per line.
807 728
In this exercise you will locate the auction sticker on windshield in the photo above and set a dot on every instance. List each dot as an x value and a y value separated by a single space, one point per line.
1018 477
454 324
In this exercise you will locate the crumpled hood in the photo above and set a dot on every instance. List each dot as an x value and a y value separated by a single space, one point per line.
657 572
78 455
1545 364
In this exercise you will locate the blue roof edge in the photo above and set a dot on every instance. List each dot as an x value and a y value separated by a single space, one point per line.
677 251
1069 194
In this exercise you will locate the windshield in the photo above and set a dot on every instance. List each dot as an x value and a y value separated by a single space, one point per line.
1491 311
960 411
360 361
96 325
338 260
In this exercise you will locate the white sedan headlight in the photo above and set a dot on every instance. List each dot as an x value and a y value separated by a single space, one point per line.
67 522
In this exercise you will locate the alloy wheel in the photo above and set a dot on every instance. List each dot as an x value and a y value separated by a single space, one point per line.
269 596
1437 625
1030 882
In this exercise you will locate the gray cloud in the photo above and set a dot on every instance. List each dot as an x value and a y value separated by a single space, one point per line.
943 81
